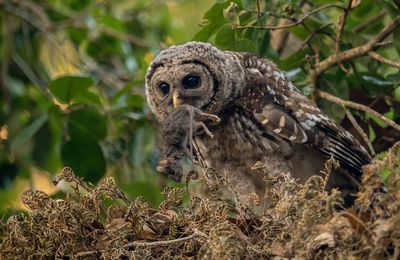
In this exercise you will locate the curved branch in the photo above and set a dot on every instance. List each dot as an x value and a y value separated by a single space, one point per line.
357 106
357 51
361 132
284 26
382 59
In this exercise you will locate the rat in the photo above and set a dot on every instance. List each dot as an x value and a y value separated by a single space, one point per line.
177 132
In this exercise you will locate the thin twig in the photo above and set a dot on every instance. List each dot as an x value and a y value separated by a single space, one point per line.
357 106
339 31
385 44
30 74
340 26
259 15
356 51
284 26
318 45
360 131
397 3
123 36
196 233
361 26
316 31
382 59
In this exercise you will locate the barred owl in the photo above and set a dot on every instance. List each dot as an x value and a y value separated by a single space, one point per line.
262 117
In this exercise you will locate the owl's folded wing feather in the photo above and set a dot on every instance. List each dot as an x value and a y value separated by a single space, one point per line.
285 112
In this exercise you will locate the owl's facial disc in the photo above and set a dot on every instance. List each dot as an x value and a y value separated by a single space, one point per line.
188 82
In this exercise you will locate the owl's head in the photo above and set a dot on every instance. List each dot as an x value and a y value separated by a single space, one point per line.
197 74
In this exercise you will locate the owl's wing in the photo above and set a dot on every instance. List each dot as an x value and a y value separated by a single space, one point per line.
282 110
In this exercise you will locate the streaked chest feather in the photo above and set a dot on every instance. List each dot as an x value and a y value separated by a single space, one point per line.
237 142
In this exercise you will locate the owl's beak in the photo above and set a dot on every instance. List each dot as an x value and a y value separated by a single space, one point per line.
176 101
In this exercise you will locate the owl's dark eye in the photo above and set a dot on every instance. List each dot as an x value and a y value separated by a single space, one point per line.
164 87
191 81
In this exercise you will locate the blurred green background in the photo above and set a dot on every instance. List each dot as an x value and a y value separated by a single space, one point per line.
72 78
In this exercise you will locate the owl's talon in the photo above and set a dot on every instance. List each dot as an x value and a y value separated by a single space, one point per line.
206 130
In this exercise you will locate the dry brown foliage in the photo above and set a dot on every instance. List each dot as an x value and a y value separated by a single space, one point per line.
301 221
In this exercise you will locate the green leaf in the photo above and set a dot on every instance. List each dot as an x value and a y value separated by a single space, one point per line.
112 22
397 93
336 85
374 80
66 88
78 34
312 24
385 175
226 39
371 132
375 84
44 143
141 145
294 61
88 97
85 157
225 36
128 102
87 123
212 20
28 132
149 191
395 78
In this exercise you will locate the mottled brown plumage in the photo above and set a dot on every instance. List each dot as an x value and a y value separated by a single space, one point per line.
263 118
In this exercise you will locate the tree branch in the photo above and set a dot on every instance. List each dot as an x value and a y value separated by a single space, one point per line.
397 3
360 132
361 26
284 26
339 31
357 51
340 26
357 106
382 59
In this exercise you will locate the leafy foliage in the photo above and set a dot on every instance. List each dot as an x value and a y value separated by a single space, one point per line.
72 76
72 91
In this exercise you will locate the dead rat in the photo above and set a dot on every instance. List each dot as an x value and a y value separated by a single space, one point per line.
177 131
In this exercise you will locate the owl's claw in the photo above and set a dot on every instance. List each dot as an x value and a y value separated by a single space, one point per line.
202 116
198 117
206 130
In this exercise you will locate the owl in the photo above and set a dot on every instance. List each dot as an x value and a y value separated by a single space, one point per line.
262 117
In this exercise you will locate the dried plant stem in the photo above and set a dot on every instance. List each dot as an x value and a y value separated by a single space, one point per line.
196 233
382 59
357 106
